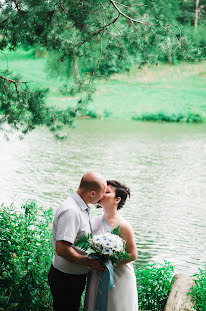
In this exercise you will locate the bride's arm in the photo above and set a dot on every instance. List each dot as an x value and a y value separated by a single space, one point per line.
127 234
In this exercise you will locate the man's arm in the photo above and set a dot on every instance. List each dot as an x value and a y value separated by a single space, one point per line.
66 250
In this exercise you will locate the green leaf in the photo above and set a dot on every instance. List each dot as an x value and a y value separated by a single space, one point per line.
125 256
90 251
115 231
82 242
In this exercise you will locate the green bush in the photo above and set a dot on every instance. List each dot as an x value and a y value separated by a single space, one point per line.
154 285
189 117
25 258
198 292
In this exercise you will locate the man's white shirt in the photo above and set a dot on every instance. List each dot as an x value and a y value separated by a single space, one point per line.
71 220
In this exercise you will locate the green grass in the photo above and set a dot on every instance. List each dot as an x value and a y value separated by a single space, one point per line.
31 69
198 291
164 92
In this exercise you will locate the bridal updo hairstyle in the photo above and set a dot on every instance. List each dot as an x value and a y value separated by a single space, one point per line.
121 191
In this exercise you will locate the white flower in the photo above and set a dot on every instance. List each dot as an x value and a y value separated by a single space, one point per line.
117 248
97 239
107 251
107 241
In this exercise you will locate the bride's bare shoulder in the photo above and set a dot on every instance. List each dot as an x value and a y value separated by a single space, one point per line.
125 225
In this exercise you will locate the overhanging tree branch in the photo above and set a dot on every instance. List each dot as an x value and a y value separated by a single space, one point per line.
12 81
133 21
100 56
129 7
95 33
126 16
78 30
15 82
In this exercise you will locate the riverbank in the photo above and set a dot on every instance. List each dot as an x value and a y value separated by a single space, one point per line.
164 92
161 93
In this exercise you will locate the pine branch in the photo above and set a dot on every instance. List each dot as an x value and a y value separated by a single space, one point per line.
100 56
13 81
124 15
95 33
133 21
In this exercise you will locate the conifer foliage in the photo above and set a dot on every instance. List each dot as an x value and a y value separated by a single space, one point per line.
96 36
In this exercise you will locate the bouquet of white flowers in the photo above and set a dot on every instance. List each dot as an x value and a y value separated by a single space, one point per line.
105 247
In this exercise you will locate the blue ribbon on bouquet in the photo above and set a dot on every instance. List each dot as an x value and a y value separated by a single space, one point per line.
105 283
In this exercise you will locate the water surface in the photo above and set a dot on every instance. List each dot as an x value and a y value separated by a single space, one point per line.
163 164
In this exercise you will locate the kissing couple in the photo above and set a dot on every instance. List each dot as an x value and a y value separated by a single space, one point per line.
72 269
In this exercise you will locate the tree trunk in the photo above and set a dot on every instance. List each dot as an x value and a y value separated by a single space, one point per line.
169 50
178 299
196 13
76 70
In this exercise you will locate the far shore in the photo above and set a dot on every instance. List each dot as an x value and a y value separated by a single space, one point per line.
169 93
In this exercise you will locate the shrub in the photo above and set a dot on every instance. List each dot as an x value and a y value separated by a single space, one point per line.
198 292
91 113
154 285
190 117
25 258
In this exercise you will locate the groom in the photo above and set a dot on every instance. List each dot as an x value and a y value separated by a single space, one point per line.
67 275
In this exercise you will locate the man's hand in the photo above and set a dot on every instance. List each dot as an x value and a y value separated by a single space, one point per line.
66 250
95 265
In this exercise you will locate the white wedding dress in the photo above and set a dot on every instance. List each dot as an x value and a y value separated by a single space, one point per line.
123 296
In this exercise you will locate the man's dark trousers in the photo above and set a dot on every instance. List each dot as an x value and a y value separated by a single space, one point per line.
66 289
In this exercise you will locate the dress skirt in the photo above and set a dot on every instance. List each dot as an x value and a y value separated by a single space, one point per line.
122 297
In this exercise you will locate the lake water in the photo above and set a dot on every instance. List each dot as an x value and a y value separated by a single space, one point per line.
163 164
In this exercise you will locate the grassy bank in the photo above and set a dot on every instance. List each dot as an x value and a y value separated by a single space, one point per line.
166 93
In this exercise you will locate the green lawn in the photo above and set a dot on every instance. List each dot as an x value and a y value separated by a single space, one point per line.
163 92
166 90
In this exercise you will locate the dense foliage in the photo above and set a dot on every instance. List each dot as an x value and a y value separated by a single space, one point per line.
198 292
154 285
83 39
25 258
20 106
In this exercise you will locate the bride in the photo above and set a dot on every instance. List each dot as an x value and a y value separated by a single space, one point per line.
123 296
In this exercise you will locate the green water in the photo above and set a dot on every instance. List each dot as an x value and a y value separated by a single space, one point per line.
163 164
